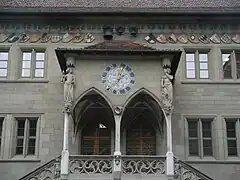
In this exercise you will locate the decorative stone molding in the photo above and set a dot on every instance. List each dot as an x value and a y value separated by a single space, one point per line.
160 33
85 165
146 165
118 110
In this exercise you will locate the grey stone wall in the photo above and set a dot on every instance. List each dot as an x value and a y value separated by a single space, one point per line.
46 98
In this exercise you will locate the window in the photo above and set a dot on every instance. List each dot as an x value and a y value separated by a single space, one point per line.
200 137
231 64
141 137
232 130
3 64
1 128
197 65
26 136
96 139
33 64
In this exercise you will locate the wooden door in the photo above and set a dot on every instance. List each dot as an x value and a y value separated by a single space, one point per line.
141 138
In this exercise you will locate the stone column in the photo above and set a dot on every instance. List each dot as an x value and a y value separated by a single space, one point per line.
167 105
117 163
68 79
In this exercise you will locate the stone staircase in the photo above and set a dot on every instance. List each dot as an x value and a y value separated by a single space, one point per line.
100 168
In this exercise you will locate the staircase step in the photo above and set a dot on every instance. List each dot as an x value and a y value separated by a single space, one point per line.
89 177
110 177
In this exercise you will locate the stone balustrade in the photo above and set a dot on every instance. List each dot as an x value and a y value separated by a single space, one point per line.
91 164
143 164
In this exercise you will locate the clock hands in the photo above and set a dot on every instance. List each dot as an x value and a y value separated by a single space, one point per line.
120 75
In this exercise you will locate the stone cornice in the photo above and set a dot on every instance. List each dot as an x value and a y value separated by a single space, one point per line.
168 27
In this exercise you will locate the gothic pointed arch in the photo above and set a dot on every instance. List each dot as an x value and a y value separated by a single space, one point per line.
92 90
94 121
146 91
142 119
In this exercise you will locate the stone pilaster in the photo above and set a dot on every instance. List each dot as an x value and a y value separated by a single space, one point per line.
167 105
117 163
69 81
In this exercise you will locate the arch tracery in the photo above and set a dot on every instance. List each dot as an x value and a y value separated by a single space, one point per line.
94 120
142 118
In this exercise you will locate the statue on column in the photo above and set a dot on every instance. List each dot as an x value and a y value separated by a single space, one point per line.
68 79
167 88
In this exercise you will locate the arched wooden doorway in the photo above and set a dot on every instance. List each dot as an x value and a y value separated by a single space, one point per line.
95 125
141 137
142 125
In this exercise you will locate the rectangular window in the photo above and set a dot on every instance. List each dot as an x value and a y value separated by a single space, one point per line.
1 128
231 64
227 66
33 64
232 130
200 137
197 65
237 56
3 64
26 135
190 64
203 65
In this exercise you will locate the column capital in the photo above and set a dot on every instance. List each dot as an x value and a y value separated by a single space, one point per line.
118 110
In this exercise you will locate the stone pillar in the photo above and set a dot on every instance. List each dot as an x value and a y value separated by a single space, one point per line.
169 155
68 79
167 105
117 163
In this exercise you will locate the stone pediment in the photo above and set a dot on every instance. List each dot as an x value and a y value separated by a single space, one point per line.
120 45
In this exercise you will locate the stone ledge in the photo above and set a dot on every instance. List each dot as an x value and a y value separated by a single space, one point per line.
237 161
19 160
209 82
24 81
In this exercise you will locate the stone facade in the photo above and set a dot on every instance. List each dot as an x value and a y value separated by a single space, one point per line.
196 98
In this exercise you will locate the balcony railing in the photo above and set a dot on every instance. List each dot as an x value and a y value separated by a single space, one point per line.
184 171
91 164
143 165
103 165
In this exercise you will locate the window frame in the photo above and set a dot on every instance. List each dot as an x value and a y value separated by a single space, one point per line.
2 135
200 137
237 131
232 53
197 62
33 52
26 137
4 50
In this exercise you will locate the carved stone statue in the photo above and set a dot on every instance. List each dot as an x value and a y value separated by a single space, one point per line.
167 90
69 82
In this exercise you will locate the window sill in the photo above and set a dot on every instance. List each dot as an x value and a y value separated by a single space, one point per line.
201 81
21 159
211 160
24 81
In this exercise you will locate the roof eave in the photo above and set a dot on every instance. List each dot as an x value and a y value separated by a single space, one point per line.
93 10
60 52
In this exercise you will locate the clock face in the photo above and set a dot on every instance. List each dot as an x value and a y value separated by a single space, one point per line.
118 78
